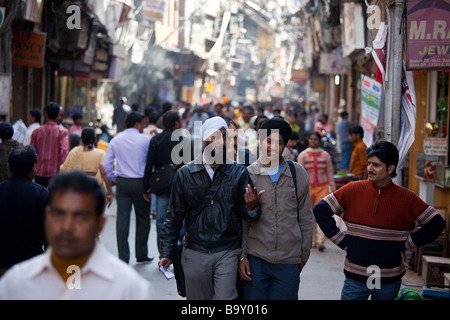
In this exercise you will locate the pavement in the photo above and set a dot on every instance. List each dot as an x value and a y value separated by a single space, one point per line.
321 279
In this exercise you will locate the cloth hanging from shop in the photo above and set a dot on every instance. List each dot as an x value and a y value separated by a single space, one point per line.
408 119
408 105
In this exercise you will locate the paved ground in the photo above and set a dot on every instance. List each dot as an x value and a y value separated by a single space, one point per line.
321 279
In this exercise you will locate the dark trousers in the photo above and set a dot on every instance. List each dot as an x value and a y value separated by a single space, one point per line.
129 193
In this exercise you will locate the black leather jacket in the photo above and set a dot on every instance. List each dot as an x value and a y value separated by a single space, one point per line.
218 226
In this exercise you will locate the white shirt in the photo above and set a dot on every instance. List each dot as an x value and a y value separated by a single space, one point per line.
208 168
30 130
129 148
103 277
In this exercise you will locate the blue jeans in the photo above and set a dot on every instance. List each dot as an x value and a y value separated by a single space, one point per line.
272 281
153 203
162 202
346 154
357 290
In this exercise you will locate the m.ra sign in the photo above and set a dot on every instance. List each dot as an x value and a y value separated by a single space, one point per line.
28 48
428 34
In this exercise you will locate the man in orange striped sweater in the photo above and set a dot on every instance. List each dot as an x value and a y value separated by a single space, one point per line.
380 218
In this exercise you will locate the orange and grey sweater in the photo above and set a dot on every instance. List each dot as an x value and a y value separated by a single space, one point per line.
380 224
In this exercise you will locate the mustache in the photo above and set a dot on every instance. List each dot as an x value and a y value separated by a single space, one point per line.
65 236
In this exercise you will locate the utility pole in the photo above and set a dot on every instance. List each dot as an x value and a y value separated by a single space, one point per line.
393 92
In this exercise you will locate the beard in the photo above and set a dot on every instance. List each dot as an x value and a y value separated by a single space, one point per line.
216 153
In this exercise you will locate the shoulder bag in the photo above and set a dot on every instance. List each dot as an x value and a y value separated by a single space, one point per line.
161 180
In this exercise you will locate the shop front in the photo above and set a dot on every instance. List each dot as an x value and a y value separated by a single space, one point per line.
75 89
429 175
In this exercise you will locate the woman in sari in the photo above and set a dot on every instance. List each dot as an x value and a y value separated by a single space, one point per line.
317 163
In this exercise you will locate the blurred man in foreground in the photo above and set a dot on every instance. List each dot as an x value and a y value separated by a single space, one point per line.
75 267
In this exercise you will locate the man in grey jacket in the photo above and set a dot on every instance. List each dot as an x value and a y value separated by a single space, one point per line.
276 247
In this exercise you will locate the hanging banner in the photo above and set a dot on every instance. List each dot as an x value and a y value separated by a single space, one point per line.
428 34
379 49
330 65
370 107
408 116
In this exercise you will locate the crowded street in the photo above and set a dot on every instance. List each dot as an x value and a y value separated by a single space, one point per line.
232 151
320 280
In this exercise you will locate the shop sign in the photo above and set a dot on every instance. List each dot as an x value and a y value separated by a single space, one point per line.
101 59
330 65
353 33
370 107
28 48
32 10
153 10
435 146
428 34
300 75
73 65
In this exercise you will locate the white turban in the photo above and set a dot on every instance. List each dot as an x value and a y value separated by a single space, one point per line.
212 125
